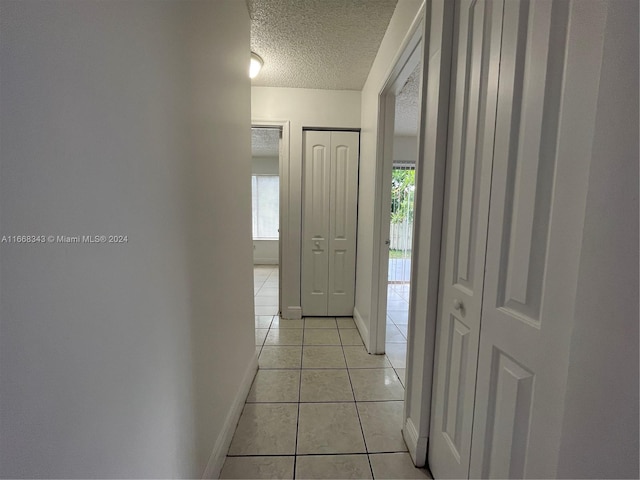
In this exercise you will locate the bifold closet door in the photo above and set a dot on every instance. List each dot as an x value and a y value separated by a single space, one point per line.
330 193
468 186
509 264
533 232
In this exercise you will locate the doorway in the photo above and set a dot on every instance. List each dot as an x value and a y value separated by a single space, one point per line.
398 148
403 186
266 156
427 43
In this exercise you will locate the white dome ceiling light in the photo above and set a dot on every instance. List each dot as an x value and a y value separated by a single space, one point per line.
255 65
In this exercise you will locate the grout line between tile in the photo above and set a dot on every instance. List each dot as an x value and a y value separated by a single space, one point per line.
295 448
315 454
364 439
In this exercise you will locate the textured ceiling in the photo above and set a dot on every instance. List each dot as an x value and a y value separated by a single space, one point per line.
407 108
325 44
265 142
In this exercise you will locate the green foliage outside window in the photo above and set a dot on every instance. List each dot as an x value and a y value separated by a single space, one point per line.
403 183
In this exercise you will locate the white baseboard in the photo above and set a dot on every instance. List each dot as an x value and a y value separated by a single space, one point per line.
265 261
292 313
362 328
417 445
221 447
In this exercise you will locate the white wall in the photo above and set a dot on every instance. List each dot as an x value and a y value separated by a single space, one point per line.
366 290
302 108
265 252
130 118
405 148
600 428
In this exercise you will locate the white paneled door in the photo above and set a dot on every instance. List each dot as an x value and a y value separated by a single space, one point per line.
526 320
468 187
509 264
329 222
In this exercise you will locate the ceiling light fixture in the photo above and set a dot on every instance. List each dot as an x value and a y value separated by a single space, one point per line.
255 65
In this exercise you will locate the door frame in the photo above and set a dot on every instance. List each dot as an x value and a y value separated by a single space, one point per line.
283 174
436 21
428 233
408 56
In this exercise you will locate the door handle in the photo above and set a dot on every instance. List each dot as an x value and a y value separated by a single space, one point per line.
457 304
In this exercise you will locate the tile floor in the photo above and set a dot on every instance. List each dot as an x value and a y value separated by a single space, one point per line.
397 320
319 406
398 312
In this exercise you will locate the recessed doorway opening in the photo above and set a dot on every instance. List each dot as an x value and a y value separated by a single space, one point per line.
403 189
265 203
400 102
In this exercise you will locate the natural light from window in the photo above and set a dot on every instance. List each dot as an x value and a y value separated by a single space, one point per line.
265 199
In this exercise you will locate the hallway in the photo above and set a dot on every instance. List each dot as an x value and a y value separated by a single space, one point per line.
320 406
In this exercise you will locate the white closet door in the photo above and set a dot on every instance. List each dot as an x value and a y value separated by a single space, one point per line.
315 222
472 116
329 222
343 222
524 344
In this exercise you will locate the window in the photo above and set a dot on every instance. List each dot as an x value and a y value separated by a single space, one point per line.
265 191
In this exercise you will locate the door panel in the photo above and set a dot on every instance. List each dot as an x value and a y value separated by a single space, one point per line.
523 346
343 222
329 222
511 392
468 184
315 222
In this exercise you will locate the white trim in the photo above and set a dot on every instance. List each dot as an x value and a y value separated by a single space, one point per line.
221 447
292 313
362 328
416 445
427 233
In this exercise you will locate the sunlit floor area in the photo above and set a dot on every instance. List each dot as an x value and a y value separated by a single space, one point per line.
320 406
265 289
398 312
397 320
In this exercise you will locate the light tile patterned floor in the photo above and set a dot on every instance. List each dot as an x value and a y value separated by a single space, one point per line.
397 320
320 406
